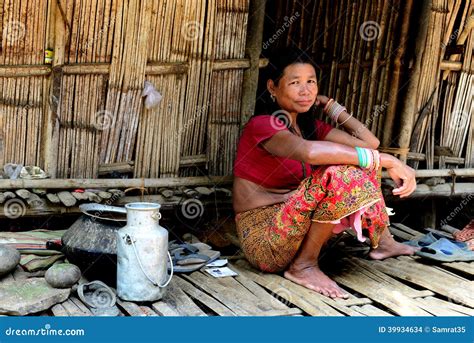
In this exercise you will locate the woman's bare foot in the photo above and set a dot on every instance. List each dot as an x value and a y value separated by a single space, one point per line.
391 249
313 278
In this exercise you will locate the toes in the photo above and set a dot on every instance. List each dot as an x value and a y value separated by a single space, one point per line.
326 293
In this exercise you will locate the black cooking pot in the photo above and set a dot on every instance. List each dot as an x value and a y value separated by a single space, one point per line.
90 242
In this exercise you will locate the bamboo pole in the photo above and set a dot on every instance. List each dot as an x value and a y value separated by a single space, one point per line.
408 111
253 47
114 183
395 76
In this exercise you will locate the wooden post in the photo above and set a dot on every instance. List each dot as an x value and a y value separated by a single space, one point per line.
393 95
409 105
253 48
56 39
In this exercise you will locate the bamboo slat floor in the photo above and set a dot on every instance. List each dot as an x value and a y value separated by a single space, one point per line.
402 286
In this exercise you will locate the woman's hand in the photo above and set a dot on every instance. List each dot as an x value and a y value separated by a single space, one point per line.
403 175
321 100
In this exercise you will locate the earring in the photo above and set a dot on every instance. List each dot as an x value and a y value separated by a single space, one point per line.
272 97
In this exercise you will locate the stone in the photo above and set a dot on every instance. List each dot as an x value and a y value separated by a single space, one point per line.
22 297
62 275
9 259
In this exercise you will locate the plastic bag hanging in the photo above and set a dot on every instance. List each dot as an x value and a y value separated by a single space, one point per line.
152 96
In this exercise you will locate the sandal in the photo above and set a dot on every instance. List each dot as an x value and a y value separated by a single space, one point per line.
465 234
444 250
191 257
430 238
99 298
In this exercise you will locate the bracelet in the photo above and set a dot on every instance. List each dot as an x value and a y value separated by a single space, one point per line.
360 156
350 115
333 109
368 158
377 159
325 109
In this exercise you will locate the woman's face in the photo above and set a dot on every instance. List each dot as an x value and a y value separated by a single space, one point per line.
297 89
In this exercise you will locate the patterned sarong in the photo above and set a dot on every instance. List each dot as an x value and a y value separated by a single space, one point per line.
341 194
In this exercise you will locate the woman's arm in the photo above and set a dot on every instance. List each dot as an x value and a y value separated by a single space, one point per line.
286 144
357 133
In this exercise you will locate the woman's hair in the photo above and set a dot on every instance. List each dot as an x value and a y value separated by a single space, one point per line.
278 61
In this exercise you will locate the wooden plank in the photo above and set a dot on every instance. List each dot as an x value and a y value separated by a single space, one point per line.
370 310
208 301
436 310
116 183
148 311
231 283
260 293
429 278
245 268
59 311
164 309
80 305
448 304
364 266
131 308
233 300
310 302
406 229
380 292
178 300
73 310
279 313
467 268
400 234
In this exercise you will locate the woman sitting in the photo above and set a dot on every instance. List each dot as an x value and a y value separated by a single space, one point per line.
298 180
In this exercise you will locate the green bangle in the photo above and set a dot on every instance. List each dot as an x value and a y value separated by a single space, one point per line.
366 158
362 155
359 155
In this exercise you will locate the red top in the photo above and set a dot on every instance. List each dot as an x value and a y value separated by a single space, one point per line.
256 164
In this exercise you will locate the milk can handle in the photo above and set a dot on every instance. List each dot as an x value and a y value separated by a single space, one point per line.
143 270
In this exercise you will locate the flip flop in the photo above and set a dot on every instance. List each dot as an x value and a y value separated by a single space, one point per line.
444 250
191 257
99 298
430 238
465 234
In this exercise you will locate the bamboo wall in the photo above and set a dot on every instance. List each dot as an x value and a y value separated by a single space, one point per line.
444 109
85 110
366 54
358 46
